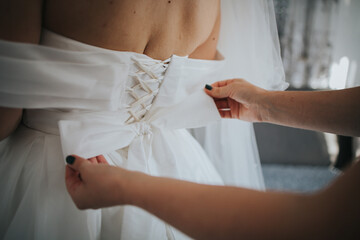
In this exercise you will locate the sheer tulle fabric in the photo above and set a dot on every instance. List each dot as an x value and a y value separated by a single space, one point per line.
249 42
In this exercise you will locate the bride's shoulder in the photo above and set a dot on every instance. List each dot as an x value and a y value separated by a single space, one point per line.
207 49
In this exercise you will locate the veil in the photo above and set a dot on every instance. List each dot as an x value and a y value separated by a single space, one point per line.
249 42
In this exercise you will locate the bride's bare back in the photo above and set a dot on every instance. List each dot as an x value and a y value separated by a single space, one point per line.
157 28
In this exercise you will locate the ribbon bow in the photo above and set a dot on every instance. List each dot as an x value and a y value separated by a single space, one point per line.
101 134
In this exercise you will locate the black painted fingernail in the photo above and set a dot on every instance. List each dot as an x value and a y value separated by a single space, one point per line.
70 159
208 87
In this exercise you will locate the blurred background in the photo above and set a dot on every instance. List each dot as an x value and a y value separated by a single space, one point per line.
320 45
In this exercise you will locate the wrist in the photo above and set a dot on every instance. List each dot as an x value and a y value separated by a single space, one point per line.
131 184
264 106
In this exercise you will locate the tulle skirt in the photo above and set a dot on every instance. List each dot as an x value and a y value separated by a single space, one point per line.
35 204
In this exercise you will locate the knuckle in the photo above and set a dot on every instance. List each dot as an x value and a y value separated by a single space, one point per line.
239 80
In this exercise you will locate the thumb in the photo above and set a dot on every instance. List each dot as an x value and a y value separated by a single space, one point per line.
75 162
218 92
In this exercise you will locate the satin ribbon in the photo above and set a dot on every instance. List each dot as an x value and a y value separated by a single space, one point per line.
99 135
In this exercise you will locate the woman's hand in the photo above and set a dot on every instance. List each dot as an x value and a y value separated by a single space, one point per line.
94 184
238 99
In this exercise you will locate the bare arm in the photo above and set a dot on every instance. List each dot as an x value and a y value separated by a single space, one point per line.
9 120
334 111
20 21
328 111
218 212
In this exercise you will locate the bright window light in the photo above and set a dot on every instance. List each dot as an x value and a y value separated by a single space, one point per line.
339 73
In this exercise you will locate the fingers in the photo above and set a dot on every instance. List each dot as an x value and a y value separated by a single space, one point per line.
225 114
218 92
222 104
74 186
223 83
228 108
219 89
70 174
76 162
235 108
93 160
98 159
101 159
72 179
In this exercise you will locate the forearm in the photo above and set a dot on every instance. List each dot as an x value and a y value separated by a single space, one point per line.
329 111
340 204
20 21
9 120
218 212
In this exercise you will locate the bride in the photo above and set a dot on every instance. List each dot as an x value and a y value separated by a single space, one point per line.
122 79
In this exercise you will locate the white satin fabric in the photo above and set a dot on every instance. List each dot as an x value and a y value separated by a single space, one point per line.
88 101
249 42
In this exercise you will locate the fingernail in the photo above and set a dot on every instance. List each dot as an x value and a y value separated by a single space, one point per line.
70 159
208 87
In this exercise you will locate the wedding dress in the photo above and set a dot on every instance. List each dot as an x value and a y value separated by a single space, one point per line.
85 100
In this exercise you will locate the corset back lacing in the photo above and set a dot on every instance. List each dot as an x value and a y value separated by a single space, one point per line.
155 70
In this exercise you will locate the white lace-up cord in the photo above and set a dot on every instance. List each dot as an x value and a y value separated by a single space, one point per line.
155 70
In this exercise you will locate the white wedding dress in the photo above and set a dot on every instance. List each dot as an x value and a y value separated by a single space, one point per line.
88 101
85 100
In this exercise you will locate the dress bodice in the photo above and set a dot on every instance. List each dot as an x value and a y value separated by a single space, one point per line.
85 93
145 74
